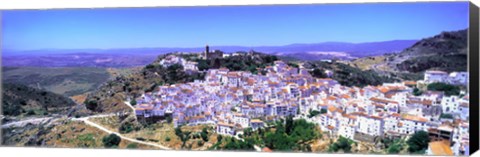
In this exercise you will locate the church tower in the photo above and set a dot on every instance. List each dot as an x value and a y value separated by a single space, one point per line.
207 50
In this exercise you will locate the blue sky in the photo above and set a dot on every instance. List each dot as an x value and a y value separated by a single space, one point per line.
227 25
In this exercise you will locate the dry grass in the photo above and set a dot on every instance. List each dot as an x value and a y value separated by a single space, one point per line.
367 62
158 133
79 135
111 123
79 99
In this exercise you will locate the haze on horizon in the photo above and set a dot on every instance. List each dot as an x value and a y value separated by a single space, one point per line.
265 25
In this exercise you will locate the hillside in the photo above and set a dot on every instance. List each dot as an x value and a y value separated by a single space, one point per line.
68 81
348 75
446 51
23 101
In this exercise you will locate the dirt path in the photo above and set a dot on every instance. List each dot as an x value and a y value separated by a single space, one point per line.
88 122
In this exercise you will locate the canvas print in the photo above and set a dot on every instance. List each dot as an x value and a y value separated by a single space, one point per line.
361 78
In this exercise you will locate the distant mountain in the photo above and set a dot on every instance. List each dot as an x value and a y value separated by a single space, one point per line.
354 49
129 57
446 51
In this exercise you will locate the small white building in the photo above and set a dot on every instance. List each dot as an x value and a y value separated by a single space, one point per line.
225 129
432 76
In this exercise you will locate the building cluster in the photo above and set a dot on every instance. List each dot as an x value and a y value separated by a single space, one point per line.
188 66
456 78
234 100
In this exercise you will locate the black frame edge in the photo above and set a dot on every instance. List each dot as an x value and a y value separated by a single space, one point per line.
473 42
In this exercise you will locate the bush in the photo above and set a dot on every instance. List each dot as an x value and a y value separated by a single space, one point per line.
418 143
132 146
91 104
167 139
446 116
133 102
204 134
126 127
111 141
447 88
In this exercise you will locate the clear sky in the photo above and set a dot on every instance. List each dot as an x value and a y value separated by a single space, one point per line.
227 25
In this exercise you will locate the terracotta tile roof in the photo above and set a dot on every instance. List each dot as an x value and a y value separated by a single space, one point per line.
415 118
375 99
410 83
332 108
256 121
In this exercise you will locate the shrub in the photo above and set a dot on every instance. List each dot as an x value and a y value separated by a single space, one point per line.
111 141
132 146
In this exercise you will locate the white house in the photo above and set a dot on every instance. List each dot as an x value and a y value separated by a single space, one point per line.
225 129
432 76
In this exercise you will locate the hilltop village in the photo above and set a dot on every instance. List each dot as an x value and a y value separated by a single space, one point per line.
234 100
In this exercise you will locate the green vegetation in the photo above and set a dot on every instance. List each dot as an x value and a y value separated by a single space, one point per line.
242 62
418 143
234 144
417 92
322 111
449 63
184 136
133 102
111 141
447 88
394 146
132 146
446 116
86 140
91 104
313 113
292 135
342 144
204 134
347 75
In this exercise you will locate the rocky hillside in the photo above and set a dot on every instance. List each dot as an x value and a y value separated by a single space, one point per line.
446 51
23 101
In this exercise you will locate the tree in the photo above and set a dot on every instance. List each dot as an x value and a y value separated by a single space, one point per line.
318 73
341 144
204 134
394 148
417 92
219 138
133 102
447 88
313 113
111 141
169 119
418 143
289 125
91 104
323 110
